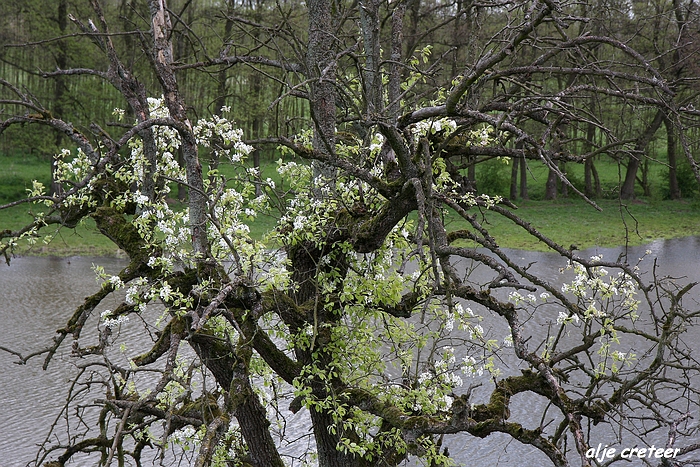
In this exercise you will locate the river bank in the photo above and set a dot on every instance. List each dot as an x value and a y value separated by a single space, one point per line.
566 221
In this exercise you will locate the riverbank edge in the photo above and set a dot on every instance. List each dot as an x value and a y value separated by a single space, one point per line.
536 246
567 222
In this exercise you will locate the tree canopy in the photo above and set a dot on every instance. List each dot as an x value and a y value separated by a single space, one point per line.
361 307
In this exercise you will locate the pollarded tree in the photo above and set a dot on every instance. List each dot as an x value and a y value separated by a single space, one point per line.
357 308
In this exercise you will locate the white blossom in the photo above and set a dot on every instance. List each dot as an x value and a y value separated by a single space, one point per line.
112 322
116 282
165 291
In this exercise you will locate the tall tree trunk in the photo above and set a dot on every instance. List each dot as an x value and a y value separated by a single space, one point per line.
59 90
635 159
588 168
550 191
514 178
321 70
523 178
369 22
163 60
674 191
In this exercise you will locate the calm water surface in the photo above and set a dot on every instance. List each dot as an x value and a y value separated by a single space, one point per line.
38 295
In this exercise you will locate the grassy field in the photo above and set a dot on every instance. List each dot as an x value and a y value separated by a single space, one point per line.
572 221
567 220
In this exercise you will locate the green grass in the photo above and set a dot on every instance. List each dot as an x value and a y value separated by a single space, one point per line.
566 221
573 221
17 173
84 240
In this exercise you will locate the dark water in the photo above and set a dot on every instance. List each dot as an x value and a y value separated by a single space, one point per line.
38 295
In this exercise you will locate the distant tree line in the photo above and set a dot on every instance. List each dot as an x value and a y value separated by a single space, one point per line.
246 55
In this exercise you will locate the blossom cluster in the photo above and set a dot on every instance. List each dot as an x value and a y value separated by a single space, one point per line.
596 300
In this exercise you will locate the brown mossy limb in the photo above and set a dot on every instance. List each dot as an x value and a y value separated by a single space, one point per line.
286 308
390 413
175 326
368 234
481 421
213 271
460 235
109 188
523 435
70 216
287 368
404 308
244 295
82 446
183 281
367 230
499 402
205 407
216 354
77 320
531 381
114 225
104 190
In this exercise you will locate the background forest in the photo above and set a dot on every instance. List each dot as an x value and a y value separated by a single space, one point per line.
646 157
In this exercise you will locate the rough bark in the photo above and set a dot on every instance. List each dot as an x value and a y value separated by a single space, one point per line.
163 62
321 70
369 23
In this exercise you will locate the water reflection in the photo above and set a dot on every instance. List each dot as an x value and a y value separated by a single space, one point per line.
39 294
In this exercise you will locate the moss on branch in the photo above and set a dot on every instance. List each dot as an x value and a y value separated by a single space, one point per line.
115 226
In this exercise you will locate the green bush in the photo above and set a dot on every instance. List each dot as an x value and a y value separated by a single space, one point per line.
687 184
493 178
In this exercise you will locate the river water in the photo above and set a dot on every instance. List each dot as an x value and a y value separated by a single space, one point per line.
38 295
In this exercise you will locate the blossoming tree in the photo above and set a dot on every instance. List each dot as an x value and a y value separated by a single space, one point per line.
359 309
